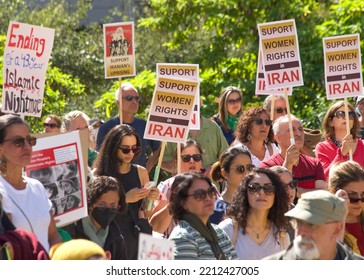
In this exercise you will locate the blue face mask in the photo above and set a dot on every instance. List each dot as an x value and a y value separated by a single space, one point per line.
103 216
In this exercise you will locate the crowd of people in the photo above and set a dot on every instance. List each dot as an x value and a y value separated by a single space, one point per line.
251 183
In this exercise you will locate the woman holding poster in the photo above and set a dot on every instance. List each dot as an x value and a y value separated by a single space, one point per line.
24 199
338 142
121 146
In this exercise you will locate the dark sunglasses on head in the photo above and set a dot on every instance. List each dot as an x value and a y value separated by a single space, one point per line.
51 125
341 115
20 141
114 208
293 184
233 101
126 149
259 121
255 188
195 157
131 97
280 110
241 168
200 195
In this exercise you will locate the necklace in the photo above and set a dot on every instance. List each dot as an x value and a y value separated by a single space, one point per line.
337 143
257 235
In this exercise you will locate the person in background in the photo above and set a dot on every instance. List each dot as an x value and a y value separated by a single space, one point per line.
94 125
256 223
360 107
337 144
130 106
52 124
234 164
255 134
230 110
312 138
318 220
280 106
349 176
77 120
25 200
78 249
105 200
191 204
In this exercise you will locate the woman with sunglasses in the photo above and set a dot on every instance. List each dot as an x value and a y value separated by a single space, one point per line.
230 110
121 146
337 144
255 134
234 164
24 199
105 201
256 224
52 124
191 204
191 161
349 176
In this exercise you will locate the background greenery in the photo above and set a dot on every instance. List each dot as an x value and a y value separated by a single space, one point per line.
219 35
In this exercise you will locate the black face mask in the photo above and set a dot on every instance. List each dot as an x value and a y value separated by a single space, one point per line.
103 216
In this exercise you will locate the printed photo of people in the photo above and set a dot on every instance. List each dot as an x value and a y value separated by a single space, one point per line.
44 175
70 202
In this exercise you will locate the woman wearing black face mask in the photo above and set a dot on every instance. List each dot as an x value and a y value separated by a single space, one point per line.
105 200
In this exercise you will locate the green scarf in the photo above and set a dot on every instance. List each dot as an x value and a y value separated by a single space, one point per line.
232 122
207 231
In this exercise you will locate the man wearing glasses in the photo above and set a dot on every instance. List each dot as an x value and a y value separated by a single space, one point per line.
130 106
318 220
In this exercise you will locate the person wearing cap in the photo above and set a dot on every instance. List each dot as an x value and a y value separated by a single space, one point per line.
338 143
77 249
130 106
318 220
360 108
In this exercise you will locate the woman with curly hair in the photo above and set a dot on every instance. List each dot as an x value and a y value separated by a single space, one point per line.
256 224
255 134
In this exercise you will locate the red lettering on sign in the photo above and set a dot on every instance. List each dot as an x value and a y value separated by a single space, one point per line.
344 88
284 77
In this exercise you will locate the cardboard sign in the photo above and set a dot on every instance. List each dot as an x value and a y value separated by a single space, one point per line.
280 52
150 248
26 56
343 66
119 55
58 162
186 72
171 110
260 84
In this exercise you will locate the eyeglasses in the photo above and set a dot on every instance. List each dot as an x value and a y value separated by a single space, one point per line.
51 125
241 168
126 149
259 121
341 115
20 141
354 197
195 157
113 208
255 188
233 101
293 184
280 110
131 97
201 195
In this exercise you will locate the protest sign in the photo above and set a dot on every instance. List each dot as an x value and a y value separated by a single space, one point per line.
119 54
58 162
343 66
151 248
280 52
171 110
26 56
187 72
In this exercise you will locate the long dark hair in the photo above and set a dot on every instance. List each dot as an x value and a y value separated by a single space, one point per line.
107 162
8 120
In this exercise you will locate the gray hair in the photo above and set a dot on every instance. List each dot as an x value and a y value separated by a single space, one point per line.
70 117
123 87
267 105
283 119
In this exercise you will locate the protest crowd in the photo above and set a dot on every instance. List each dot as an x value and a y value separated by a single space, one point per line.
247 183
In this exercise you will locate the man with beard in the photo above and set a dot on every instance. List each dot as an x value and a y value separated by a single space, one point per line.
307 170
318 220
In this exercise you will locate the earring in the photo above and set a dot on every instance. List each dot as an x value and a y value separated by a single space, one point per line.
3 166
249 137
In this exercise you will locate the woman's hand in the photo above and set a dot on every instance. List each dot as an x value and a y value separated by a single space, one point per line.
153 193
136 194
347 144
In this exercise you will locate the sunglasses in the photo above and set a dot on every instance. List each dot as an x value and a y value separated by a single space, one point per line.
20 141
195 157
280 110
113 208
341 115
354 197
131 97
241 168
51 125
126 149
293 184
255 188
259 121
201 195
233 101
